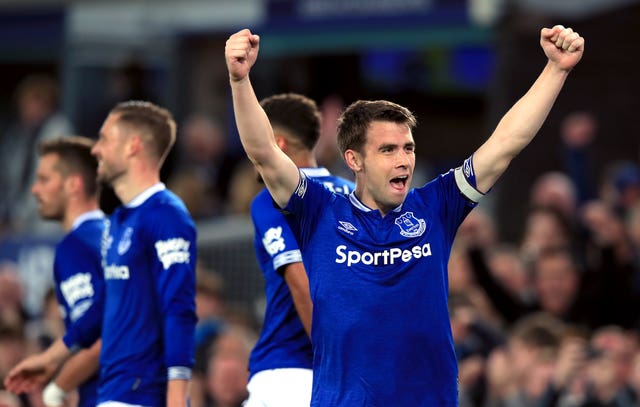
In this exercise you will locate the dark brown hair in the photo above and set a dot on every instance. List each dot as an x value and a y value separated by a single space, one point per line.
355 120
75 158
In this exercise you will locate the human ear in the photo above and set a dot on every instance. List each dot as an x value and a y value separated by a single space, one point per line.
353 160
73 183
281 142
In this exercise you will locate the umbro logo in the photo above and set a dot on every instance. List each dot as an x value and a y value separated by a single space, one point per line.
347 227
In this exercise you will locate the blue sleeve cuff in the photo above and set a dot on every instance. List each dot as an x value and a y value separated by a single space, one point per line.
71 342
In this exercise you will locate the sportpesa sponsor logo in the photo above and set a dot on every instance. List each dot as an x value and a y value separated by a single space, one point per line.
382 258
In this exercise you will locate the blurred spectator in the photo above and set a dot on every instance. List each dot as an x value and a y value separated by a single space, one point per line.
11 294
462 283
545 227
556 190
474 338
326 150
510 270
610 368
562 289
578 132
557 280
203 167
567 384
478 229
595 374
48 326
243 187
518 375
620 186
611 268
634 374
606 230
13 345
9 399
227 374
37 119
632 228
211 310
626 180
130 79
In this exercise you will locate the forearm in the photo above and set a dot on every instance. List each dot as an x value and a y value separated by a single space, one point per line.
253 125
56 354
37 369
79 368
518 126
177 391
296 278
524 119
279 173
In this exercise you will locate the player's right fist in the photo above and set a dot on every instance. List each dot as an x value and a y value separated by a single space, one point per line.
241 52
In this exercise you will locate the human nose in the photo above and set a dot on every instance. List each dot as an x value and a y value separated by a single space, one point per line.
403 159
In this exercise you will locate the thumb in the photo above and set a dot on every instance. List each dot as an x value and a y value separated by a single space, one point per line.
254 39
552 33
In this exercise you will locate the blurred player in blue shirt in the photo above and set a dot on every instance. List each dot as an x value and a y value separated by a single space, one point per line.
66 190
377 258
280 363
149 258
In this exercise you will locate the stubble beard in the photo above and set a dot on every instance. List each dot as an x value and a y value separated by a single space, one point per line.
107 177
55 215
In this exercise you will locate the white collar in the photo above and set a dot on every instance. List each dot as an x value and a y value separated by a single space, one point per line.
146 194
356 202
94 214
316 172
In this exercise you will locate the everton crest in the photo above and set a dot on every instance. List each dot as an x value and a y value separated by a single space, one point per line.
410 226
125 241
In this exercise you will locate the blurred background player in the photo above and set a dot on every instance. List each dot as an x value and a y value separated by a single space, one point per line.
149 260
66 190
280 363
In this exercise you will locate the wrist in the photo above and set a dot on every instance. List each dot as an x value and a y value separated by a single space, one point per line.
53 396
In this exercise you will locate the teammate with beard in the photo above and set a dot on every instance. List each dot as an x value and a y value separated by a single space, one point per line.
67 191
149 259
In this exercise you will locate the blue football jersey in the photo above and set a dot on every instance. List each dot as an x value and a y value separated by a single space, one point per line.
79 287
149 259
381 330
283 342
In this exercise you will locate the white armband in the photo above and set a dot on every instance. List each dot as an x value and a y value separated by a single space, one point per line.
53 396
178 373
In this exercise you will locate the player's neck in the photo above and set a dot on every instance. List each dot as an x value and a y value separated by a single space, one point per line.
304 160
136 181
75 209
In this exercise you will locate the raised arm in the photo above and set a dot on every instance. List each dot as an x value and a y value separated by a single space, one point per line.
563 48
279 173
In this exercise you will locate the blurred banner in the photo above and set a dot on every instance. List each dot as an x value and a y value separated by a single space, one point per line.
353 9
31 257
